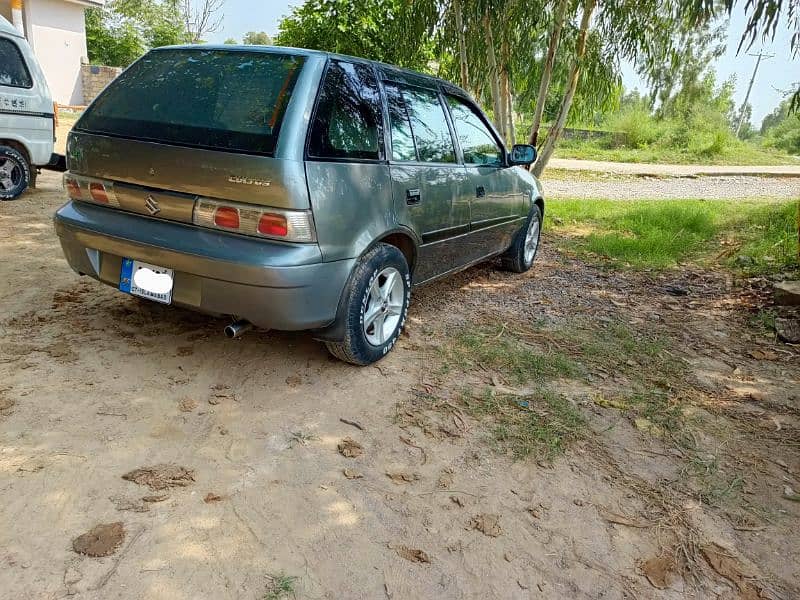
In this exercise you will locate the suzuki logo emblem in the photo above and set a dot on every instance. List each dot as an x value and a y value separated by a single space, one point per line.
152 206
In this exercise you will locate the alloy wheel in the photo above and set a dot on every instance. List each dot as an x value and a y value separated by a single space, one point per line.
384 307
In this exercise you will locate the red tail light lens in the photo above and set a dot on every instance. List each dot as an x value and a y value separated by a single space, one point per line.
247 219
270 224
73 188
98 192
228 217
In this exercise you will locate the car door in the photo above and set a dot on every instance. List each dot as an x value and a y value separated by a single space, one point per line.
428 183
496 198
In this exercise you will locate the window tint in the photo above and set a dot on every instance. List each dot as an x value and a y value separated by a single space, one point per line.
13 71
403 147
348 121
477 143
428 125
226 100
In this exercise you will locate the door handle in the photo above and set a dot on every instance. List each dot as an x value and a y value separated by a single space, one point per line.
413 196
480 191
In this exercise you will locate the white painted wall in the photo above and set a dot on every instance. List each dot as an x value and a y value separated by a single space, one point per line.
56 31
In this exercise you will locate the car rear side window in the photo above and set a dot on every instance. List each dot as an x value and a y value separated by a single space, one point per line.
217 99
477 143
419 113
348 122
13 71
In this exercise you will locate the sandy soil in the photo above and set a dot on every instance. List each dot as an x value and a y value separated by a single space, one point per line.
94 384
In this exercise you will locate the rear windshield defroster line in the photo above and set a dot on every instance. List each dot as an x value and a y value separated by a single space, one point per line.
216 99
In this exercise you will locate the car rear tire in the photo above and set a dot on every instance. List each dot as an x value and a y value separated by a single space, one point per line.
520 256
375 306
15 173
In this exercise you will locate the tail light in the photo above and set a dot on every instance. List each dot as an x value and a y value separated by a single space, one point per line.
90 190
73 187
55 120
273 223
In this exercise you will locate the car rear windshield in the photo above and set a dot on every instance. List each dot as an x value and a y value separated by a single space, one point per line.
221 99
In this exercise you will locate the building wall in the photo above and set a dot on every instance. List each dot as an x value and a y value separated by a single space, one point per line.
57 33
95 79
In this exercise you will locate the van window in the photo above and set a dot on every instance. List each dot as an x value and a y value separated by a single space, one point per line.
428 124
218 99
477 143
13 71
348 121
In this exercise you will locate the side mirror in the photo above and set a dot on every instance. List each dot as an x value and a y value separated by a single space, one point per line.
522 154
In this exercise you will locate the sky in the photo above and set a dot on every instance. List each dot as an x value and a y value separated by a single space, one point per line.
778 73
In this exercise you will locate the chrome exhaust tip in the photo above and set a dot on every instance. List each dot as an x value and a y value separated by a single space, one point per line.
237 329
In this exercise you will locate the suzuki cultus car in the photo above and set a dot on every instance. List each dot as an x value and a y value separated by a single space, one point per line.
291 189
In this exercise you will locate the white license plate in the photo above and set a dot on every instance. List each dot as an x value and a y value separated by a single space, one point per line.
148 281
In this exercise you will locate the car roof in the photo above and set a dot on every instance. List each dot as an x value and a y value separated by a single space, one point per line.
8 29
392 71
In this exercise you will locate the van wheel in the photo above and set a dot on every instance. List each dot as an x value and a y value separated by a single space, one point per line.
15 173
519 257
376 305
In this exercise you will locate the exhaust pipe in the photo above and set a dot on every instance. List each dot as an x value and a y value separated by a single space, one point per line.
238 328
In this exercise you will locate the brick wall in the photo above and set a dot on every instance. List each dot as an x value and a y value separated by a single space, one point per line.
94 78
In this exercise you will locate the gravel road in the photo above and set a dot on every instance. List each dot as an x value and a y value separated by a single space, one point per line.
675 187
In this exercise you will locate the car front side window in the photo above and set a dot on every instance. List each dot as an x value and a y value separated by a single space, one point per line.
477 143
419 123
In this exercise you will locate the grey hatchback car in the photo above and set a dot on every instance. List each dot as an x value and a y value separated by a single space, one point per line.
291 189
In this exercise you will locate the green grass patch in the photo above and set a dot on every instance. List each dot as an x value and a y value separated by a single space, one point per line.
280 587
757 236
541 425
710 154
518 360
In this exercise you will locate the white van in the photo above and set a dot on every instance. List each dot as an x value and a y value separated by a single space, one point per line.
27 116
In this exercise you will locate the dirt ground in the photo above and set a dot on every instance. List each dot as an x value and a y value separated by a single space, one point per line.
258 489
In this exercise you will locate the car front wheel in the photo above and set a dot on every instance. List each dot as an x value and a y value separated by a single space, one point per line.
519 257
15 173
376 306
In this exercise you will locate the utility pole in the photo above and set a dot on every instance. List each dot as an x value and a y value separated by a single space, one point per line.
760 56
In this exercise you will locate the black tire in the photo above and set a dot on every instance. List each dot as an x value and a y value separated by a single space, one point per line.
356 348
514 258
15 173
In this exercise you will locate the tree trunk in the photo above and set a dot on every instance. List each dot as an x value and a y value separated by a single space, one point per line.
547 71
462 46
572 84
504 103
512 130
493 74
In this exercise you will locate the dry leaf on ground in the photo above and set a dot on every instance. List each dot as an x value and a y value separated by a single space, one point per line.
487 524
100 540
211 497
727 565
660 570
352 474
187 405
620 519
402 477
161 477
350 448
155 498
123 503
412 554
445 479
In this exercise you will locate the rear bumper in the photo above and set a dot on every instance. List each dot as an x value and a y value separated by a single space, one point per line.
271 284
